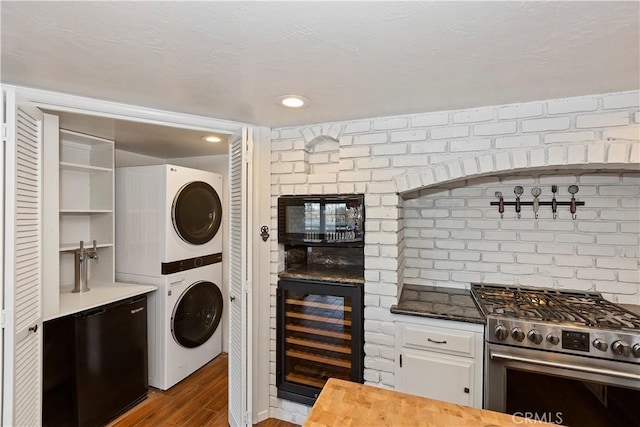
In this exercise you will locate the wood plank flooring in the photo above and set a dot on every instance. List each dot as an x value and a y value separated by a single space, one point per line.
199 400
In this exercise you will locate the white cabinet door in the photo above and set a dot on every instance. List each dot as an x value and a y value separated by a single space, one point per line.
240 320
22 315
436 376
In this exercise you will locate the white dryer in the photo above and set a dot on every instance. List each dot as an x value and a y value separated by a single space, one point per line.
166 213
184 322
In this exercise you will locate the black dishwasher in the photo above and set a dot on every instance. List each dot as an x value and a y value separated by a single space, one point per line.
95 364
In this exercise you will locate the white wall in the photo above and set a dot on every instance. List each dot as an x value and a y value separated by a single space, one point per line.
453 236
126 158
381 157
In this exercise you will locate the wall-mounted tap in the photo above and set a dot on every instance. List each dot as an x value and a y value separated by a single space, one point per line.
82 256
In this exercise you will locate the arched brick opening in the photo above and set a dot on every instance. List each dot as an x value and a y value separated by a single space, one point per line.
613 155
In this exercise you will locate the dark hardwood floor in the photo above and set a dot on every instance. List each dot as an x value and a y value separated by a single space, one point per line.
199 400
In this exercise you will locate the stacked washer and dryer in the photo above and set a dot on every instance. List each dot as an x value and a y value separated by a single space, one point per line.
168 234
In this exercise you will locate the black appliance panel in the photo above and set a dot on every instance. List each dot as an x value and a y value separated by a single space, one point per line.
190 263
111 360
95 364
320 333
197 314
196 212
322 220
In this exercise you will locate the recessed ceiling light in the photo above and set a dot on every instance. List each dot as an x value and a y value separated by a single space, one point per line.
293 101
212 138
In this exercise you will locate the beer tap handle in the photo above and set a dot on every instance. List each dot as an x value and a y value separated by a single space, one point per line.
536 192
573 189
94 254
518 190
500 203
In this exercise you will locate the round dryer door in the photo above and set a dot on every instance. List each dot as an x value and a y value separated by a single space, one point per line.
197 314
196 212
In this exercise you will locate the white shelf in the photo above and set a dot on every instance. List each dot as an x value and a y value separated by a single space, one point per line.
85 211
66 247
83 138
86 190
76 167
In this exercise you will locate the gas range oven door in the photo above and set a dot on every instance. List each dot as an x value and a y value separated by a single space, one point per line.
560 388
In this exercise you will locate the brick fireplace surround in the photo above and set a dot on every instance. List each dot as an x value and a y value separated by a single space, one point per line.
428 180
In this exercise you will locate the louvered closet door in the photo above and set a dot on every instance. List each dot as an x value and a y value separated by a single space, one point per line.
240 147
22 350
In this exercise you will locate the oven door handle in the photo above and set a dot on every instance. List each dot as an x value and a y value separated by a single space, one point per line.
566 366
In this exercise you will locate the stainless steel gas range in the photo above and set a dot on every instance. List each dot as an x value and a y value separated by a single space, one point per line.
564 357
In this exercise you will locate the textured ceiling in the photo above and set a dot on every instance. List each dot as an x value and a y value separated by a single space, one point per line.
231 60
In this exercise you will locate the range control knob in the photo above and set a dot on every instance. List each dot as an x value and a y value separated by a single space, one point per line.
500 332
635 350
517 334
553 339
534 336
621 348
600 345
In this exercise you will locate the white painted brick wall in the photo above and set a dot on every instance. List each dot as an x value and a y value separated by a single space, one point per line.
450 132
541 125
520 111
602 120
623 100
449 234
572 105
499 128
520 248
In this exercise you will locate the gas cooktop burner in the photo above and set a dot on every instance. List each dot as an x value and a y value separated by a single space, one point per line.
552 305
568 322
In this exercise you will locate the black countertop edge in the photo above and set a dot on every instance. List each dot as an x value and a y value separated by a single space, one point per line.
481 321
438 302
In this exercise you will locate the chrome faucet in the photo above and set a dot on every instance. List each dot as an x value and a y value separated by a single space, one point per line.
81 266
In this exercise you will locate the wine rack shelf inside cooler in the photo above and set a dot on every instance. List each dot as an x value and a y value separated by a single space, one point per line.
317 335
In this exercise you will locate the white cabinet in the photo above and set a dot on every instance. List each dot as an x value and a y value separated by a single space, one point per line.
440 359
86 203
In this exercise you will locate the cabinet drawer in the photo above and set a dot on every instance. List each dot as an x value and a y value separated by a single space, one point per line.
437 339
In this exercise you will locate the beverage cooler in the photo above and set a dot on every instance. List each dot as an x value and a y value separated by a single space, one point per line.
320 336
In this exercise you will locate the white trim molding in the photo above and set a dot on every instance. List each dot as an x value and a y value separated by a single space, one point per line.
95 107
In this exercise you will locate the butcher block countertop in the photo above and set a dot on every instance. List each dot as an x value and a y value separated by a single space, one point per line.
347 404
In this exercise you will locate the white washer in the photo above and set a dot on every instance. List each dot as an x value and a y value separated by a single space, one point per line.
184 322
165 213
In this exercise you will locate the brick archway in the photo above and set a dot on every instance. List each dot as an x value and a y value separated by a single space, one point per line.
620 155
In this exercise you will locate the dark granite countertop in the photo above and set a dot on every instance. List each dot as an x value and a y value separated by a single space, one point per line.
439 303
324 272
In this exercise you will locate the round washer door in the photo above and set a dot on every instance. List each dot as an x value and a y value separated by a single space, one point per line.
197 314
196 212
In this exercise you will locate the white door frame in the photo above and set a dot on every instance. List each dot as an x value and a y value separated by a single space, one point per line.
74 104
261 271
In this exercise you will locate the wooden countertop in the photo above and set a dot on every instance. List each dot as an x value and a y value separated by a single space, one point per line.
347 404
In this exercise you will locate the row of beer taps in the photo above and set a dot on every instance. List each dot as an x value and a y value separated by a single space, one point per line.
536 203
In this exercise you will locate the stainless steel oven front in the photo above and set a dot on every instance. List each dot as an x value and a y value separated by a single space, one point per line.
561 388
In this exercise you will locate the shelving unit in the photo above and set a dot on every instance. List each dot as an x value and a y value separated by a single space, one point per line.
319 336
86 202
